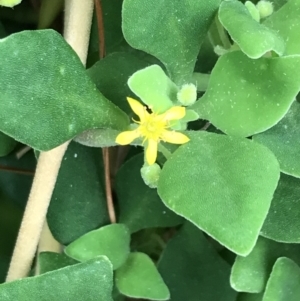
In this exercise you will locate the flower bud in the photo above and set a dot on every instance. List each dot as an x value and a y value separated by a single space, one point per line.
265 8
150 174
187 95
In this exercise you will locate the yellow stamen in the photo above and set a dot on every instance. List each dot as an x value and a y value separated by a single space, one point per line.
152 128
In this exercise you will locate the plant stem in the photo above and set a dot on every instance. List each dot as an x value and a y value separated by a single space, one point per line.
164 151
35 212
109 198
78 18
47 243
100 24
105 150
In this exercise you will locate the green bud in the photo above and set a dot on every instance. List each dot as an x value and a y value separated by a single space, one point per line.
150 174
219 50
187 95
265 8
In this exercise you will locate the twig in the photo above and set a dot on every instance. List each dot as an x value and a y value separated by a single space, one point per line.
22 151
105 150
18 171
100 24
109 198
77 31
206 126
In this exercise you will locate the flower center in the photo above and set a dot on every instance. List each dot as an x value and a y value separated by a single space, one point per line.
152 127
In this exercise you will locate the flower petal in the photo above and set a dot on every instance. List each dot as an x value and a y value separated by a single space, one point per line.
175 113
174 137
151 151
137 107
127 137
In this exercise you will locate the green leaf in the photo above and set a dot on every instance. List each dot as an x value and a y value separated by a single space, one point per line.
250 274
111 16
246 96
287 23
93 280
45 101
253 38
139 278
173 31
224 185
112 241
7 144
154 88
284 282
50 261
193 270
98 138
111 75
140 206
283 140
283 220
78 204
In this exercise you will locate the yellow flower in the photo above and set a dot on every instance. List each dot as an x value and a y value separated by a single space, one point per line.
152 127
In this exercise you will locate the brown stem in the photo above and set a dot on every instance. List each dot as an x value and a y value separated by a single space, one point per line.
105 150
18 171
109 198
100 24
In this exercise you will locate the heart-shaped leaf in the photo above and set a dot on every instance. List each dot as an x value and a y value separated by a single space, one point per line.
154 88
246 96
174 37
224 185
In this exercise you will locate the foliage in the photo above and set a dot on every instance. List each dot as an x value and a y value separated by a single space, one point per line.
206 192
